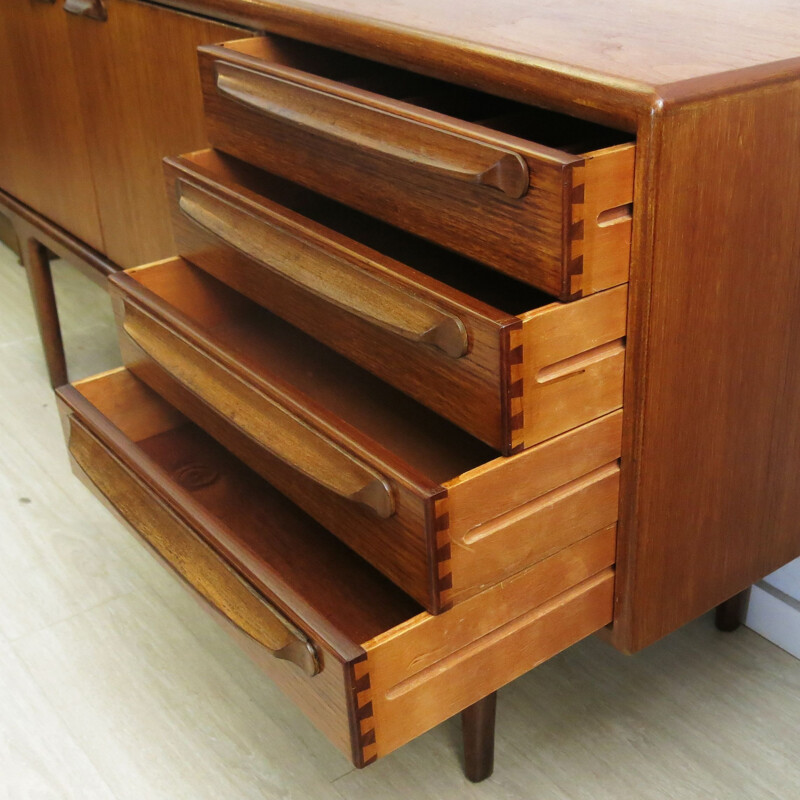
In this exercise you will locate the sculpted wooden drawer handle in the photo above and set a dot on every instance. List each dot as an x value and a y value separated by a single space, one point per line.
94 9
188 555
376 131
318 267
274 427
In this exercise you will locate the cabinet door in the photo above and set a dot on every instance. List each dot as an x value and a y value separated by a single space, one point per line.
44 159
140 99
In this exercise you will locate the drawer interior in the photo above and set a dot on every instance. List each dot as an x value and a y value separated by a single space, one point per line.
266 345
492 288
549 128
543 197
388 671
280 549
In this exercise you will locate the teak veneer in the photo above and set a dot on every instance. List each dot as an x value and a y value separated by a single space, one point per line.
598 188
500 359
434 509
353 651
541 197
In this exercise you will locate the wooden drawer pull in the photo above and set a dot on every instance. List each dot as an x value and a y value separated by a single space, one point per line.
322 270
190 557
94 9
273 426
374 130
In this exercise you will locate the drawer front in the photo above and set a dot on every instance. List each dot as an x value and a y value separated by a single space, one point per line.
307 671
374 507
445 349
511 381
507 202
424 504
369 685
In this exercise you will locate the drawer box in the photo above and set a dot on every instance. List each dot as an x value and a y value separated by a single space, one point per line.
540 196
498 358
435 510
355 654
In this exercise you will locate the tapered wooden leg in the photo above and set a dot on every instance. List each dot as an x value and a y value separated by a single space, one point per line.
40 280
477 726
730 614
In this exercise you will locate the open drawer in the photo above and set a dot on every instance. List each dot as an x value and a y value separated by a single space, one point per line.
497 357
357 656
434 509
540 196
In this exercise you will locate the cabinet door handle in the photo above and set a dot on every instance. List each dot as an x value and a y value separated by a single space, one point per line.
329 272
381 133
265 419
184 551
94 9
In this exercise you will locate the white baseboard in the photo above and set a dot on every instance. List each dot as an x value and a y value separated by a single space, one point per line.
776 616
787 579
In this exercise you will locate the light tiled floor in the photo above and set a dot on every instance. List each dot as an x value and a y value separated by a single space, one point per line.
114 685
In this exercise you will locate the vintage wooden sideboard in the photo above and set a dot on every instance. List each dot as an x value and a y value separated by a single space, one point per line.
466 333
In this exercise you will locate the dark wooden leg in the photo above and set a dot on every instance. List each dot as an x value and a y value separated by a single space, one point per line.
477 726
730 614
37 265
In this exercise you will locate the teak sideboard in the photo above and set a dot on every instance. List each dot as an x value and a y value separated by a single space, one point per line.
456 336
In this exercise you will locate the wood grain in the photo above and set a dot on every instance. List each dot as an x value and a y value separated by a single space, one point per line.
602 215
130 71
395 544
290 559
406 708
474 390
185 497
587 42
132 407
280 432
112 678
44 155
475 496
246 375
500 547
426 639
190 557
406 191
711 443
427 374
573 361
510 513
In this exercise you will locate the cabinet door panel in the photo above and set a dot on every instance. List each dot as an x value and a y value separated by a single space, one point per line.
44 159
140 98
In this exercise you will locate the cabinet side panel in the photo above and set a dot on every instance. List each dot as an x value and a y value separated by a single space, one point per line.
711 501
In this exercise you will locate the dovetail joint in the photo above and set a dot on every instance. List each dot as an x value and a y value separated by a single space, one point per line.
443 555
364 712
515 392
575 250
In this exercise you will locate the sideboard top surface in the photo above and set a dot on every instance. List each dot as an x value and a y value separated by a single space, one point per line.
632 48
